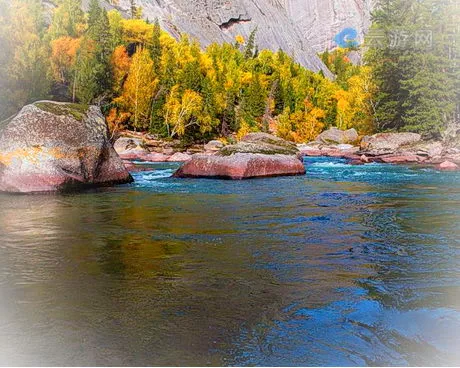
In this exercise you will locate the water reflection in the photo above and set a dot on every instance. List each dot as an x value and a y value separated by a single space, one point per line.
353 269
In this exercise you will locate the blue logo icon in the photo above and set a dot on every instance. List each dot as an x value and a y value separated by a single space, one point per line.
347 38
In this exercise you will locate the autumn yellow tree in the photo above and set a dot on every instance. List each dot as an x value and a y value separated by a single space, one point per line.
63 56
137 31
23 63
355 105
139 89
344 109
311 124
363 91
301 126
183 111
120 63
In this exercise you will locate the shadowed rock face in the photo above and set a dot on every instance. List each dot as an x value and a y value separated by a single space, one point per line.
53 146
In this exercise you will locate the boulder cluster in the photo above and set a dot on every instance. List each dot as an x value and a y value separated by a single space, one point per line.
391 148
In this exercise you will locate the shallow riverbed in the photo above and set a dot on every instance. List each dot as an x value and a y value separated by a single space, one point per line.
348 265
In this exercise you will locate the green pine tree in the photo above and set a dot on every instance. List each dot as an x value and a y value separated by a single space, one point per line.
155 48
414 74
86 74
99 32
250 51
255 99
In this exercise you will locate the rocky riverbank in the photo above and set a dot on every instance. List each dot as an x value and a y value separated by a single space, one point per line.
51 146
391 148
135 146
256 155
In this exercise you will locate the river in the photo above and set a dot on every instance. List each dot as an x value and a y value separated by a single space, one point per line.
348 265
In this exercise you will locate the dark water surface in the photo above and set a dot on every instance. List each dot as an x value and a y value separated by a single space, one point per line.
349 265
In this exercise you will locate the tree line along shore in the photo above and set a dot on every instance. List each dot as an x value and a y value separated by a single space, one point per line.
147 81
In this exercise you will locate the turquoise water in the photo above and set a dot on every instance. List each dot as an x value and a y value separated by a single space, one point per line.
348 265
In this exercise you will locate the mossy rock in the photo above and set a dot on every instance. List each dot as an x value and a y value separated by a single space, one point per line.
263 148
268 139
262 143
77 111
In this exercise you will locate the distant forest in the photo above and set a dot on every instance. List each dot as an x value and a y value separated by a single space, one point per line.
145 80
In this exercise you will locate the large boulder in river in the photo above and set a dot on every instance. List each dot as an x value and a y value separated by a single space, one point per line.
388 143
52 146
337 136
240 166
257 155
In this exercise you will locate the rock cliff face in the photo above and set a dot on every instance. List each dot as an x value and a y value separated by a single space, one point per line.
300 27
325 24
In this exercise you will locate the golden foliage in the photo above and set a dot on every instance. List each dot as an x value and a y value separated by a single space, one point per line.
301 126
240 40
137 31
117 120
120 63
245 129
63 56
138 89
183 111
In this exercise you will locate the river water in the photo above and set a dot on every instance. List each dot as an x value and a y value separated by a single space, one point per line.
348 265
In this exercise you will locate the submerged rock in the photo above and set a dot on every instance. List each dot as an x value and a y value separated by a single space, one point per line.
448 166
257 155
50 146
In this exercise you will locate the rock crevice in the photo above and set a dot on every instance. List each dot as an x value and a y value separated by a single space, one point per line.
234 21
